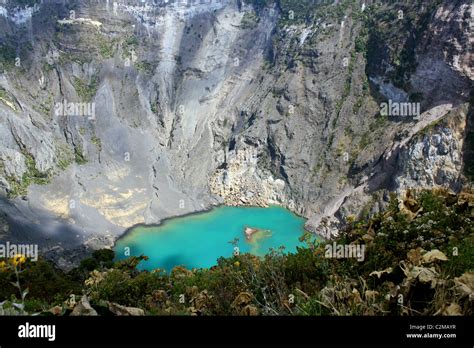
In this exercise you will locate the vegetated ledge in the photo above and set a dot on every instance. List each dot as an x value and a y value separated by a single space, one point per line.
418 260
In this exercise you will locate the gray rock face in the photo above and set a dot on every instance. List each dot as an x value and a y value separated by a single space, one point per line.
433 160
141 111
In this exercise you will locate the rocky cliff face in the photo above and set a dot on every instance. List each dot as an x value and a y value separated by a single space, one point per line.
115 113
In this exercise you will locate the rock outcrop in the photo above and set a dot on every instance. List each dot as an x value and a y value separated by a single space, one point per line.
83 308
119 113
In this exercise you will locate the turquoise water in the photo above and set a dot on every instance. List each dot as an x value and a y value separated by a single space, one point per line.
197 241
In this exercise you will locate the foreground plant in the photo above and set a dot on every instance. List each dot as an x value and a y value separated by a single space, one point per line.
14 306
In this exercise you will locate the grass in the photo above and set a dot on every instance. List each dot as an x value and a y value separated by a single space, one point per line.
86 91
79 157
63 163
145 67
97 142
249 20
65 157
106 46
31 176
154 107
365 140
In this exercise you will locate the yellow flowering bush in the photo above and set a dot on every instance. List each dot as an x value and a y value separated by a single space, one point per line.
3 266
18 260
14 264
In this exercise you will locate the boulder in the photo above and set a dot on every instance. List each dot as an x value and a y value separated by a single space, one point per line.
83 308
125 311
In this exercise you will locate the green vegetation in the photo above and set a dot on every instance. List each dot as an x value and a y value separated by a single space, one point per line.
7 57
347 88
416 97
402 27
16 188
3 93
145 67
249 20
360 44
305 11
365 140
106 46
97 142
65 157
317 168
47 68
154 107
31 176
86 91
419 260
130 44
63 163
431 127
296 12
68 57
260 4
44 108
79 155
